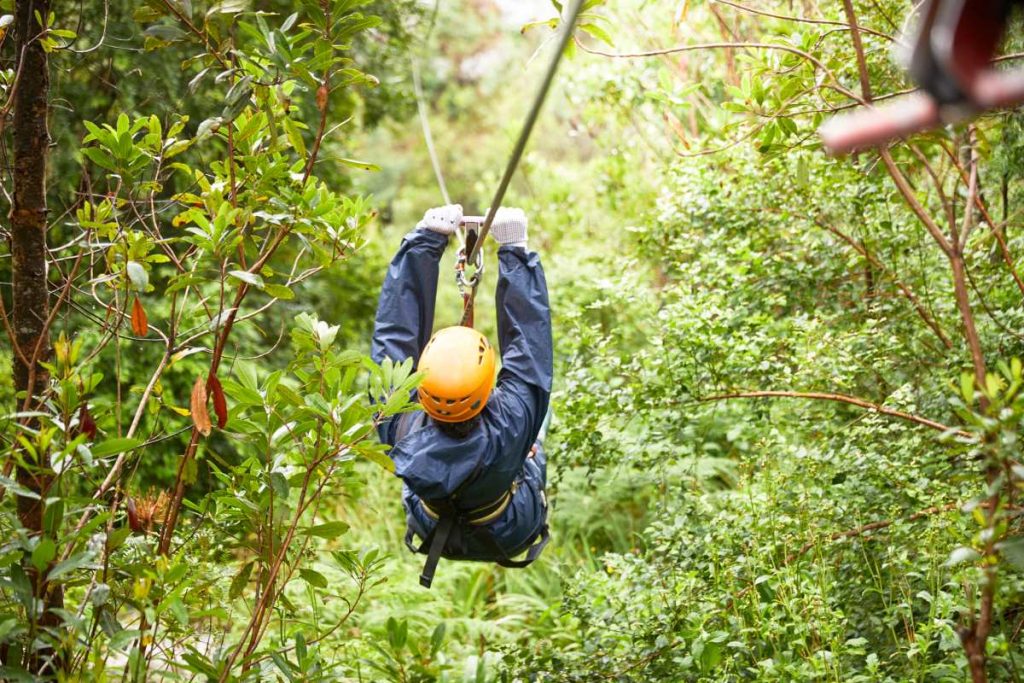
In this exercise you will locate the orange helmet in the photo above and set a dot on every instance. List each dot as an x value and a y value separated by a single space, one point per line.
459 364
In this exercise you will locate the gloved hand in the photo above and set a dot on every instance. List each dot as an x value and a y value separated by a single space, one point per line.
509 227
442 219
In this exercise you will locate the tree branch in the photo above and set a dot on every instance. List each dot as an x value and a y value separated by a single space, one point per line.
873 526
841 398
803 20
922 312
836 84
858 48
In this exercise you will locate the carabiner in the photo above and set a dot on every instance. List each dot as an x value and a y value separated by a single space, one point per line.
460 270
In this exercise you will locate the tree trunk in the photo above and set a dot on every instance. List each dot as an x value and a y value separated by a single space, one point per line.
31 306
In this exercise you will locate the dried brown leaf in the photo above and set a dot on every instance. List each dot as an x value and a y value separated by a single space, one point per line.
200 415
140 323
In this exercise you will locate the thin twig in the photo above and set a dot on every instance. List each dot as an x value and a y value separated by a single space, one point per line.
873 526
922 312
802 20
725 46
842 398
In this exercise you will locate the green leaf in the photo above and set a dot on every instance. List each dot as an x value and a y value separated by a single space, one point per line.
294 134
52 517
967 387
240 90
228 7
279 483
597 32
246 373
282 665
208 126
165 32
355 163
437 639
69 565
248 278
43 553
241 579
112 446
17 489
178 610
328 530
100 158
1012 551
279 292
313 578
375 453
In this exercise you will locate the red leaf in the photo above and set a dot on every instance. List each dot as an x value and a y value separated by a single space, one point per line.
133 516
86 425
140 324
220 405
200 416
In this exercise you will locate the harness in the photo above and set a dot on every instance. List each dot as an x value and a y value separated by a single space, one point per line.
472 522
485 514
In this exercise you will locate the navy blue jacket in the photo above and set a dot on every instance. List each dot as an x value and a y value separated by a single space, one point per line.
432 464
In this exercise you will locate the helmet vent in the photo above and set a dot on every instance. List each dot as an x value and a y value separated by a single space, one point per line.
476 404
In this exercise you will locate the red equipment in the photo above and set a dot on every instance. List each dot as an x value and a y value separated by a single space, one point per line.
951 59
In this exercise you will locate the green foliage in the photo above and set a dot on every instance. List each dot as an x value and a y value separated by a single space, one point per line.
187 478
221 508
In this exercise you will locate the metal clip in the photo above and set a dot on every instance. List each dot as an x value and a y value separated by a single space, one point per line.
472 225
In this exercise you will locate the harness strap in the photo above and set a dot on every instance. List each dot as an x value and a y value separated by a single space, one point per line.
439 537
532 554
478 516
437 543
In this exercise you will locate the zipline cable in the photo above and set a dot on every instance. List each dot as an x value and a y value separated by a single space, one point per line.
427 137
421 105
567 29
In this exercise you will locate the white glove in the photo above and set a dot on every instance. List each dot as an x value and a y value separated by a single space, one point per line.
442 219
509 227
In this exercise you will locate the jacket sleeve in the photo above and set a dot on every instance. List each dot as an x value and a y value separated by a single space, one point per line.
405 312
524 333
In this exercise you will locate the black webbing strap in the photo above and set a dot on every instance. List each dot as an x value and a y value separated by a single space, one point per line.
438 538
441 533
532 554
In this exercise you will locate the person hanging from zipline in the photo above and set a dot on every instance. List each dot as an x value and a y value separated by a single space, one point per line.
472 467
